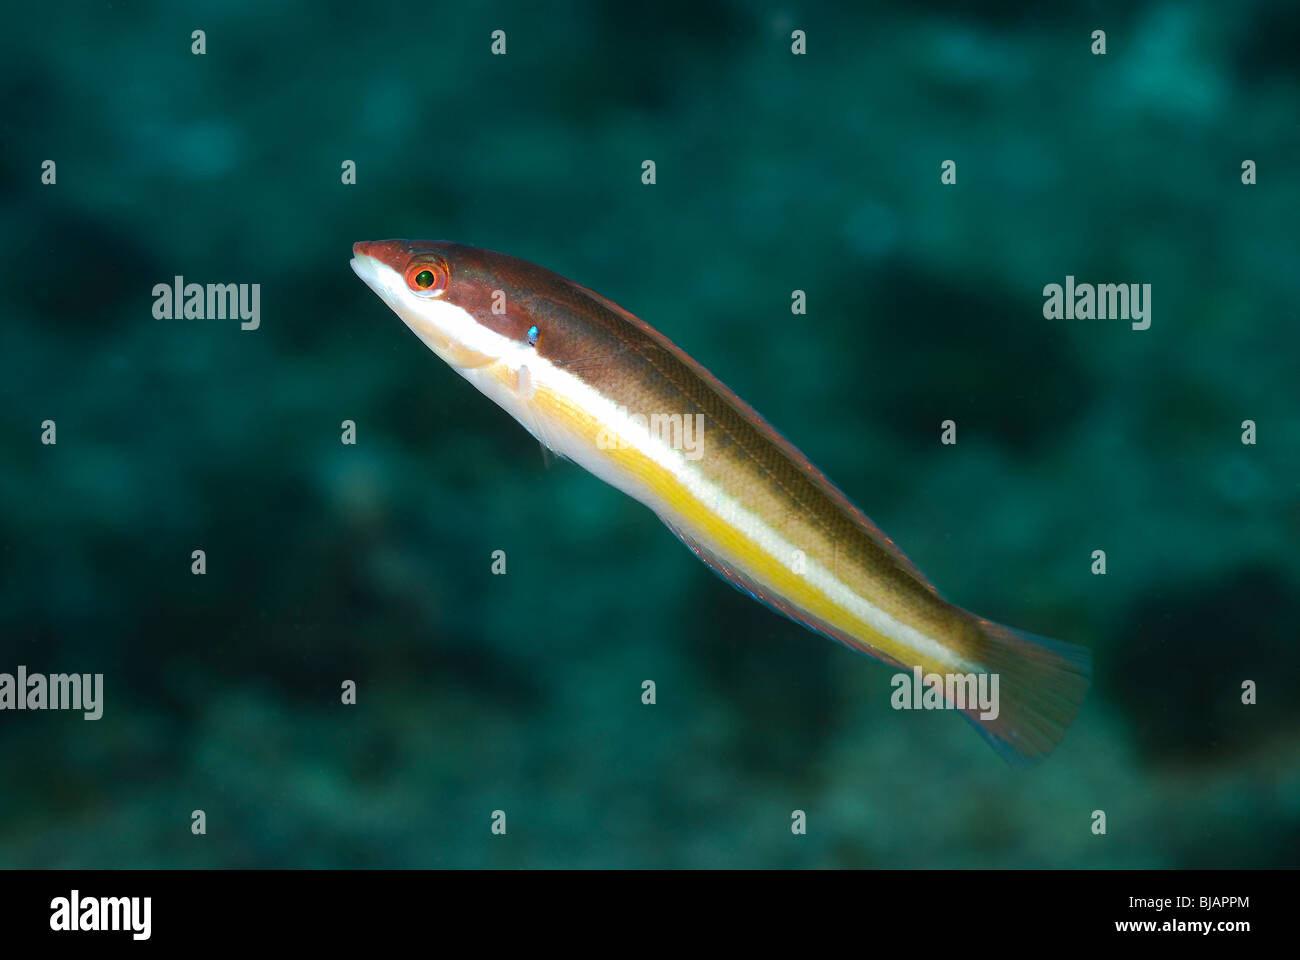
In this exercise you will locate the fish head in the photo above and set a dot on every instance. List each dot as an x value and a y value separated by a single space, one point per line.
455 298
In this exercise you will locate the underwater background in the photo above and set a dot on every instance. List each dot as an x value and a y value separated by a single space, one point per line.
775 172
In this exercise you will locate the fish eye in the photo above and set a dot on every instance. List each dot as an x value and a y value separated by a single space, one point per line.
426 278
532 335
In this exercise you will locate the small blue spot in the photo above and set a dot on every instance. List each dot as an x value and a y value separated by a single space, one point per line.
532 336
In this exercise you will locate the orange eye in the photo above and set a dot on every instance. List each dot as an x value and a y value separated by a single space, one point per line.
426 278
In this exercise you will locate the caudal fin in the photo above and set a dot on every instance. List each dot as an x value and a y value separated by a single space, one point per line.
1041 685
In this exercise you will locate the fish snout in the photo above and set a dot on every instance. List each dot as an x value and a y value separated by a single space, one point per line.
391 253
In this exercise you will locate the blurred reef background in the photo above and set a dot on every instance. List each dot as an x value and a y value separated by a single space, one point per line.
774 173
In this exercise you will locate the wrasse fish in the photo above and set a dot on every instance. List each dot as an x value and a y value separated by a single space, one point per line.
597 385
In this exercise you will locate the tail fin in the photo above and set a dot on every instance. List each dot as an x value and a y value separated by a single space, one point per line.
1041 685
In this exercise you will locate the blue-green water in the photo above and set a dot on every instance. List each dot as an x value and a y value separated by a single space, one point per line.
774 172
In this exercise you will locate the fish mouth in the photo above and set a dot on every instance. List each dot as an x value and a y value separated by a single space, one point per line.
365 266
360 254
379 277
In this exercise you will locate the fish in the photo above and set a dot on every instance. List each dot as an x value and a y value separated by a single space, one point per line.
600 387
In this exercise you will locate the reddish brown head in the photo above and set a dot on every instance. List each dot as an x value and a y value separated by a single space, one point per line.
467 304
